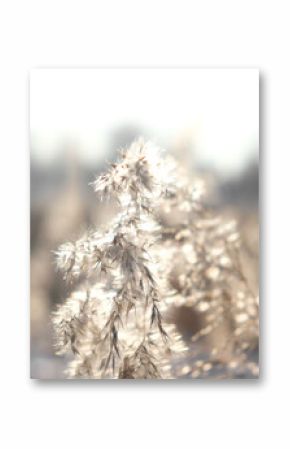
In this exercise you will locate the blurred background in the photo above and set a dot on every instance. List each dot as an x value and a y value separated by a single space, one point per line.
208 119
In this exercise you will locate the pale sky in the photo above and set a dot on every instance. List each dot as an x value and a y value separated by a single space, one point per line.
218 108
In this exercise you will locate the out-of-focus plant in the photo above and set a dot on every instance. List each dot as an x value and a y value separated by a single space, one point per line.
205 273
164 251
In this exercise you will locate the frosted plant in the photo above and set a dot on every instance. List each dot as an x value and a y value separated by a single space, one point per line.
165 250
114 323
